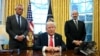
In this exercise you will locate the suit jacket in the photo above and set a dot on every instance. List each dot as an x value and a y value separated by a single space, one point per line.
43 41
13 29
72 33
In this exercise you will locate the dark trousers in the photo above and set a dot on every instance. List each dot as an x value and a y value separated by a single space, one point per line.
18 45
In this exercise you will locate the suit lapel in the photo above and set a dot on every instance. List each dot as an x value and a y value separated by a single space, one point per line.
79 24
55 39
22 22
21 25
15 20
46 39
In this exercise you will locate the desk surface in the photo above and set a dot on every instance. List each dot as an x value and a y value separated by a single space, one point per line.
39 53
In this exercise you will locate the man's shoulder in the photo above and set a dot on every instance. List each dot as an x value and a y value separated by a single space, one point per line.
43 34
80 21
11 16
23 17
57 34
68 21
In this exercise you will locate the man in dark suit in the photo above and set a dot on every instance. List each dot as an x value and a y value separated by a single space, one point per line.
44 40
17 28
74 31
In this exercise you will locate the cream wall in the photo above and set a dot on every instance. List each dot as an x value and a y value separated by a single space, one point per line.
3 33
3 12
2 27
2 30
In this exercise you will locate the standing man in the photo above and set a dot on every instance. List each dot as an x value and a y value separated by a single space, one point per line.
17 28
74 31
50 41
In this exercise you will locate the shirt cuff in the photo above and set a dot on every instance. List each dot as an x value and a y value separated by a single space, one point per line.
44 53
44 48
16 36
60 48
23 36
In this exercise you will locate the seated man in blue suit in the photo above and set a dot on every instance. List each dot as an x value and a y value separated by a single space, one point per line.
50 41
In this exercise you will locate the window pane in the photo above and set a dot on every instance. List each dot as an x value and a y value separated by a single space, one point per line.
75 1
90 0
39 18
81 8
36 1
88 28
88 38
82 17
39 28
74 7
81 1
39 10
89 7
89 17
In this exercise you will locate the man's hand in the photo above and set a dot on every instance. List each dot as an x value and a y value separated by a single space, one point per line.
77 42
56 48
49 48
20 38
53 49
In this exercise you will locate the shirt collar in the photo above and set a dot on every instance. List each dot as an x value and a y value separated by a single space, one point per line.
75 20
17 15
49 35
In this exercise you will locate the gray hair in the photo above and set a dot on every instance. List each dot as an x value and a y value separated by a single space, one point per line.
18 6
74 11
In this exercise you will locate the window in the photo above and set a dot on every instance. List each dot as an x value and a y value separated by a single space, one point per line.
39 13
85 9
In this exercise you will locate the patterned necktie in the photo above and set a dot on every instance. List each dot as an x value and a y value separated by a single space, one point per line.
51 41
76 23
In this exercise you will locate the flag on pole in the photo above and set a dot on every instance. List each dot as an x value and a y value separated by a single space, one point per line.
30 37
29 17
49 16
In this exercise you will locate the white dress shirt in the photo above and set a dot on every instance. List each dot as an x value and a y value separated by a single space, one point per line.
44 47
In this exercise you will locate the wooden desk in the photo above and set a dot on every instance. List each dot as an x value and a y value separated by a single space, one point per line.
39 53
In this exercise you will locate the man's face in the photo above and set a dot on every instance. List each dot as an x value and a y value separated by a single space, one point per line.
19 10
50 28
75 15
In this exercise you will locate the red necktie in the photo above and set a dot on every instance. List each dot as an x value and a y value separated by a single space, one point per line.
51 41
